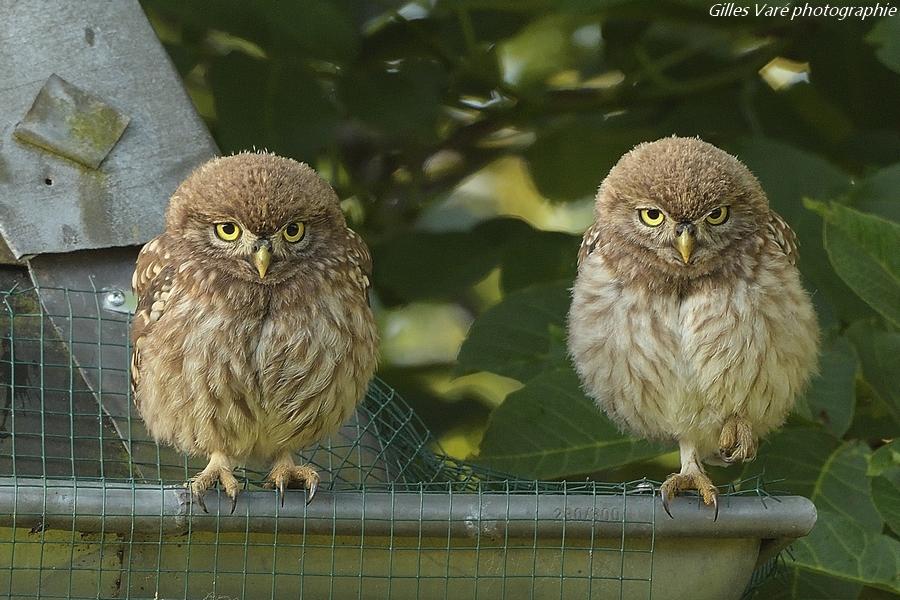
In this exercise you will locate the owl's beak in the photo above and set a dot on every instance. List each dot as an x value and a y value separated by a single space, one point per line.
685 242
261 258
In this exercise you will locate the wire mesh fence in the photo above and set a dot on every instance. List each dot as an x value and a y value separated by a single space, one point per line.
91 507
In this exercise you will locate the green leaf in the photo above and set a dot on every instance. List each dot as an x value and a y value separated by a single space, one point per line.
831 396
799 584
884 458
402 103
879 357
842 486
814 464
572 155
538 256
840 547
419 265
521 336
879 193
886 496
794 454
885 36
862 249
550 429
271 105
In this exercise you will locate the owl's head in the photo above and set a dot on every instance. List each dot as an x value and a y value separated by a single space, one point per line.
258 217
680 208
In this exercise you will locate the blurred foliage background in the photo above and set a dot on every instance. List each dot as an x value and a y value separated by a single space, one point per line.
467 140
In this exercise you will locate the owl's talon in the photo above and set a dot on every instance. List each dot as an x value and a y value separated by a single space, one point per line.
200 501
664 496
737 442
285 474
311 487
679 482
218 470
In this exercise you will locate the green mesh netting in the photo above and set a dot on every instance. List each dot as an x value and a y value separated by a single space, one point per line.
90 507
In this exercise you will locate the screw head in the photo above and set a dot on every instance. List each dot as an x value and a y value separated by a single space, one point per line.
115 298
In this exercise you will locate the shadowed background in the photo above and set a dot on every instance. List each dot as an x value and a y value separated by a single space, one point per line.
467 139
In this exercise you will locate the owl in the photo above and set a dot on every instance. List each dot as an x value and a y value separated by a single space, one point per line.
688 319
253 335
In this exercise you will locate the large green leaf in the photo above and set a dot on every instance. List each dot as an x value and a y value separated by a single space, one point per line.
879 357
272 105
550 429
815 464
572 155
840 547
538 256
521 336
862 249
886 38
793 456
799 584
419 265
886 496
831 396
843 488
879 193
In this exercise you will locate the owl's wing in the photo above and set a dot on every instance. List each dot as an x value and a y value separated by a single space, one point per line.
360 259
152 284
588 242
783 235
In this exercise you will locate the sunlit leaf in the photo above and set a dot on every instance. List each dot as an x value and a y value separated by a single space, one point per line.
521 336
841 547
550 429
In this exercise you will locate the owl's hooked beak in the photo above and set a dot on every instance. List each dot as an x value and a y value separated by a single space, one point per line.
262 256
685 240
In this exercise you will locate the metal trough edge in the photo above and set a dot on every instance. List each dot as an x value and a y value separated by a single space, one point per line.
92 506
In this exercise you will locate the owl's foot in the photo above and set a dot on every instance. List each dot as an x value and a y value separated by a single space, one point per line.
737 442
218 469
285 474
694 480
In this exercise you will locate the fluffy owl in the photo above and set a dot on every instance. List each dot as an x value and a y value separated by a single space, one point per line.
688 319
253 335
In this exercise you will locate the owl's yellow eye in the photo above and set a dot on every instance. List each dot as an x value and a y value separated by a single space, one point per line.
717 216
652 217
294 232
228 232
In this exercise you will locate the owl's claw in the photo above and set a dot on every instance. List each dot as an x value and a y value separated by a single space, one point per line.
737 442
283 475
679 482
215 471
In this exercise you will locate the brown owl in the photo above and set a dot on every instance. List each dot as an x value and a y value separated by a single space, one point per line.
688 319
253 335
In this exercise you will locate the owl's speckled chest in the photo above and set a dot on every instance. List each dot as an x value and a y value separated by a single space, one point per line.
257 376
666 366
